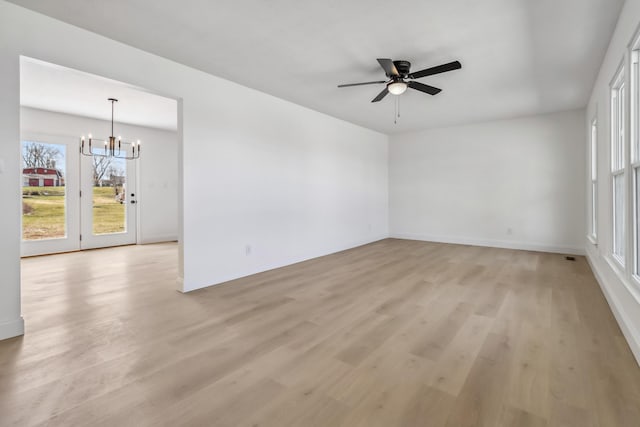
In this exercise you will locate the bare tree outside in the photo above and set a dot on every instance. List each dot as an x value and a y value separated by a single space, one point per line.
116 171
39 155
44 198
109 197
101 169
43 190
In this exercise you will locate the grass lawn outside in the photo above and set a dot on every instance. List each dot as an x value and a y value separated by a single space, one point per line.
44 212
43 215
108 214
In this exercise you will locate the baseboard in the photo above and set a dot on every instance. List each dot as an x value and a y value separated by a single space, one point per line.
631 334
504 244
193 287
180 284
12 329
157 239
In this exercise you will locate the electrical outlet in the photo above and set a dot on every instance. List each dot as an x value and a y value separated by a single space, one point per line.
509 230
247 250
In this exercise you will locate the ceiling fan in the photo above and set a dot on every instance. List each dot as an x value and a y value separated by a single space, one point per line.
401 77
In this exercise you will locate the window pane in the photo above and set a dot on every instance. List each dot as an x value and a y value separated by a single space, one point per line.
43 191
621 125
618 96
614 130
594 176
109 195
635 104
594 151
618 215
594 186
636 173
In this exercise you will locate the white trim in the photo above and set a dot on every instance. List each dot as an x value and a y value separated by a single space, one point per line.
146 240
505 244
617 260
592 239
71 241
180 284
635 40
593 180
632 131
618 76
631 334
12 329
192 287
620 273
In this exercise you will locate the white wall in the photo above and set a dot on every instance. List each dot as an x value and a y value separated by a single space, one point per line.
511 183
257 170
157 169
622 292
290 183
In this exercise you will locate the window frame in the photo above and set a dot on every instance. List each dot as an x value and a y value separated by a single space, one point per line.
634 138
617 121
593 232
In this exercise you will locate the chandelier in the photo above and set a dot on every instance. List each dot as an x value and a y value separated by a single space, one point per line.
113 147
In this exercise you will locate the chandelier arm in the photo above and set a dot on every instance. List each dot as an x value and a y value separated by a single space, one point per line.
110 145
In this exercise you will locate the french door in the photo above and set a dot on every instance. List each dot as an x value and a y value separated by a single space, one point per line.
107 202
72 202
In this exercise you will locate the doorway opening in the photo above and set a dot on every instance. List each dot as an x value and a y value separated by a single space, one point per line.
73 202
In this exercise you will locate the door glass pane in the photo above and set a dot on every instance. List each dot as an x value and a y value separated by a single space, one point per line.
618 215
43 190
594 207
637 219
109 195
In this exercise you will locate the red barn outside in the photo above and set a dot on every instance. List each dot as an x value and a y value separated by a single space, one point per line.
42 177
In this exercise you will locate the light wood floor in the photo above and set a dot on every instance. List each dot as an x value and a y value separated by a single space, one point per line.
396 333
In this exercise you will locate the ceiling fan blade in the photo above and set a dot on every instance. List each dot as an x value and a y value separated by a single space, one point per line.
362 84
424 88
381 95
388 67
455 65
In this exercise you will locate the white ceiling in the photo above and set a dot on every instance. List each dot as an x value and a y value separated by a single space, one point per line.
519 57
55 88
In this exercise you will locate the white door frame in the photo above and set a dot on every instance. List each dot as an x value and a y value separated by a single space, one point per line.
71 242
79 210
89 240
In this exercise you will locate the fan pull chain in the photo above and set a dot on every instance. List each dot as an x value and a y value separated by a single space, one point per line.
395 113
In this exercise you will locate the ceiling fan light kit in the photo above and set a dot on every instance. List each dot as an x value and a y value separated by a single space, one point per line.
397 88
400 77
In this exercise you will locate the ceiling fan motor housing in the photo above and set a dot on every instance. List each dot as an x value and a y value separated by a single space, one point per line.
403 67
398 72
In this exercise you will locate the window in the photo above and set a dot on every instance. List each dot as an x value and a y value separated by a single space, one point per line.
635 154
618 99
594 181
44 201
